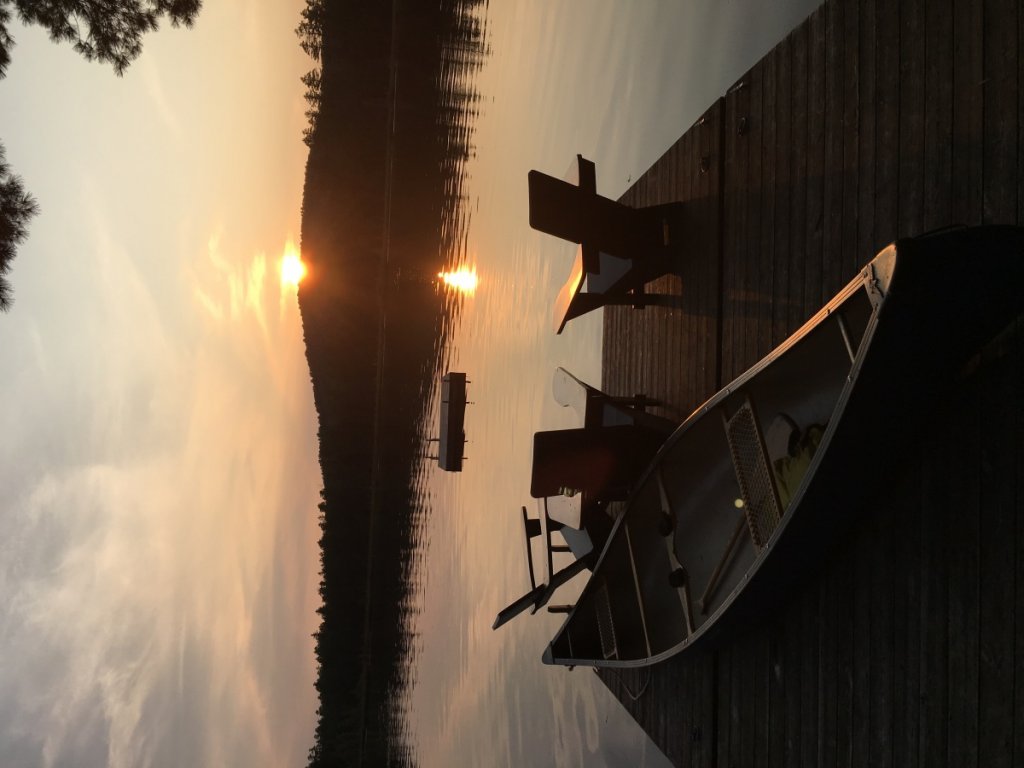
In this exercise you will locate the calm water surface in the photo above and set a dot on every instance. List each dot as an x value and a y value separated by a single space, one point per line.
618 83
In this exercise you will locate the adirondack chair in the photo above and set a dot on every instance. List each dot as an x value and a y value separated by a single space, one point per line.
591 463
600 462
621 249
575 541
574 472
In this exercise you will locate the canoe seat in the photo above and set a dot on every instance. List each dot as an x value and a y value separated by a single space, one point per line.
761 505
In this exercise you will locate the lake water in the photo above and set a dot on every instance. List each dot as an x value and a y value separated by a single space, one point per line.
619 83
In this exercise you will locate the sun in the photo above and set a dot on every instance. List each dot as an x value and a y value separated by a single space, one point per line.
463 280
292 268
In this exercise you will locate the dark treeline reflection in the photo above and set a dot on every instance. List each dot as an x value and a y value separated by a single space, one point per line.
391 110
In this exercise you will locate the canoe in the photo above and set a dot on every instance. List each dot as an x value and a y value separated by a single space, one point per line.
750 493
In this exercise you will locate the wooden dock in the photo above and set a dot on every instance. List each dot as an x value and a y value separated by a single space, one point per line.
872 120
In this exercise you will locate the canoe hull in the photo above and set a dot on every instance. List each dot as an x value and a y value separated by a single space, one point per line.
913 317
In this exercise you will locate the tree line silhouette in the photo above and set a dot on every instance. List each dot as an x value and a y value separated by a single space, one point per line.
389 132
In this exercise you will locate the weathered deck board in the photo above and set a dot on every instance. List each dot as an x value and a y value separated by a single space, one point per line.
832 709
937 211
933 620
879 560
812 293
872 119
887 116
828 606
1000 110
867 132
911 120
996 590
798 217
733 239
938 114
963 528
783 192
967 111
835 136
1017 426
788 685
851 143
807 619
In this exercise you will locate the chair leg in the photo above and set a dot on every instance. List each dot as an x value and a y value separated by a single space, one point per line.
532 529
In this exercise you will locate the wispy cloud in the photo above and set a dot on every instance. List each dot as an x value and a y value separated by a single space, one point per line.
157 94
160 579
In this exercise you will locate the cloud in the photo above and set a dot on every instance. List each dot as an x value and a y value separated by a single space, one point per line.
157 94
159 577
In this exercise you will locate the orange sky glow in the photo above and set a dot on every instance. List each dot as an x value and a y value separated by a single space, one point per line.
160 469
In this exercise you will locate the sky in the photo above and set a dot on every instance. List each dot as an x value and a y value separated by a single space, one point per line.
158 467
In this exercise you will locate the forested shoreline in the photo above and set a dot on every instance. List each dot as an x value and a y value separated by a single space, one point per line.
390 127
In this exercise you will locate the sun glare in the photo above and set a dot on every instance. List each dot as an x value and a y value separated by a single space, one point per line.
463 280
292 268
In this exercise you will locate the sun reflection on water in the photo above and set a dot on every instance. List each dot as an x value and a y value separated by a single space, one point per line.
464 280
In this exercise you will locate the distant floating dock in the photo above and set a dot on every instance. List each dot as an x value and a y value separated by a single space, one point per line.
452 432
